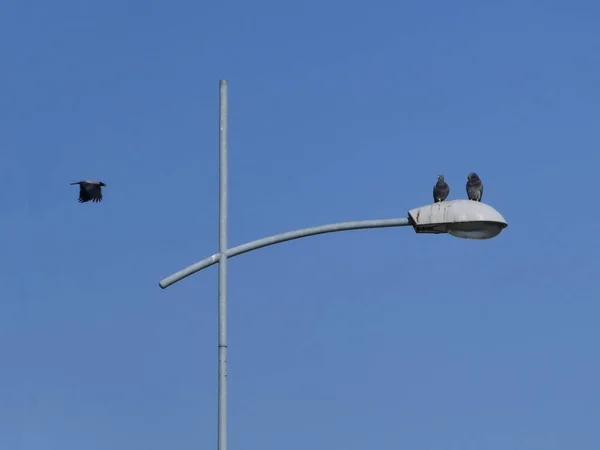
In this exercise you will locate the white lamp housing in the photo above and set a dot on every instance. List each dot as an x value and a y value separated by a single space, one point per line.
465 219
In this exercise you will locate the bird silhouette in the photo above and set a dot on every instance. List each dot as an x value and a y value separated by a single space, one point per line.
90 190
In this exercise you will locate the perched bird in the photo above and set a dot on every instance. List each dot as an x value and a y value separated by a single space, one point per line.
90 190
474 187
440 190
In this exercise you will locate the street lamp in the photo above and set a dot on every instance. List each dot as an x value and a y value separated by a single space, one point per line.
465 219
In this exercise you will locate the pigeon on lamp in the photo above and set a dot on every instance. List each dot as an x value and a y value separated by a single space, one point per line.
90 190
474 187
440 190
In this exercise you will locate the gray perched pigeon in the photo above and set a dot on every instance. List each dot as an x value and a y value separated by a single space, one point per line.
90 190
440 190
474 187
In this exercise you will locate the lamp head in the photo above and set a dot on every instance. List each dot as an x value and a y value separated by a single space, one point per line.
459 218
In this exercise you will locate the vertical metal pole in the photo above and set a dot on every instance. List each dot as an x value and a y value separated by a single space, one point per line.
222 408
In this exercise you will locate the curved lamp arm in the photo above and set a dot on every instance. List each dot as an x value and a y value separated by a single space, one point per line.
278 238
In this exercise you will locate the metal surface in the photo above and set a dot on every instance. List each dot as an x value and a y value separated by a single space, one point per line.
222 408
461 218
278 238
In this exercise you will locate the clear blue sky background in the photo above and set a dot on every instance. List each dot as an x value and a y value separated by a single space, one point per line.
338 111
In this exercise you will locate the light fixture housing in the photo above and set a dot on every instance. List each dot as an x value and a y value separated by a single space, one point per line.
466 219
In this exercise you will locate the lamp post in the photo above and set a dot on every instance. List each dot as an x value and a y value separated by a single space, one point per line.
460 218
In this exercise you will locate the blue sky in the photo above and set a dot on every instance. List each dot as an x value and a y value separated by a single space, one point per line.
338 111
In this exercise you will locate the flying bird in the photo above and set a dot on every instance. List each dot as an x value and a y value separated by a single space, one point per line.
90 190
440 190
474 187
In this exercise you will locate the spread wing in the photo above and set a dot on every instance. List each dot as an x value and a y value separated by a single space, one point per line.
90 192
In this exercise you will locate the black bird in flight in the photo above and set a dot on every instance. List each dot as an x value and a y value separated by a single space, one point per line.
474 187
90 190
440 190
